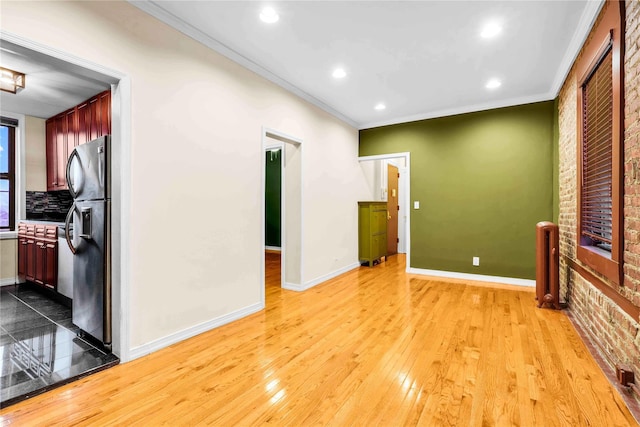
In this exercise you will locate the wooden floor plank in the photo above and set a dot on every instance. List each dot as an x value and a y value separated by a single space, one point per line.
375 346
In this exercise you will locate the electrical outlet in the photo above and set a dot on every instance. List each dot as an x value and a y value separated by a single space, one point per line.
476 261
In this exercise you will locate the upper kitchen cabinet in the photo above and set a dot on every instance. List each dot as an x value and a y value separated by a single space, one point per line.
94 117
85 122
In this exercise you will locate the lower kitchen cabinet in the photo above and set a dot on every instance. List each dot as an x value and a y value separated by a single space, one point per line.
372 231
38 254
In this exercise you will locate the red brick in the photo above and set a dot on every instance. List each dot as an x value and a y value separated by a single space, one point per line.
615 332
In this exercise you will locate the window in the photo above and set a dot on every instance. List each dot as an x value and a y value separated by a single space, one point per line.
7 174
597 171
600 107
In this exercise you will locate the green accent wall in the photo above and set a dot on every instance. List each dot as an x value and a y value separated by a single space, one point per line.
273 195
483 180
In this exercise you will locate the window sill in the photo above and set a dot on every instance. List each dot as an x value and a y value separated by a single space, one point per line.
601 262
6 235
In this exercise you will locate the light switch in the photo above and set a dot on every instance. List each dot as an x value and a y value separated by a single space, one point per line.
416 205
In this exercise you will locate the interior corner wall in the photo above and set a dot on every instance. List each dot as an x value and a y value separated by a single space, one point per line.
35 154
273 197
483 181
556 163
615 332
196 159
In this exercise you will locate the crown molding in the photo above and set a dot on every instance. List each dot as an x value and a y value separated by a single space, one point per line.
588 18
462 110
154 9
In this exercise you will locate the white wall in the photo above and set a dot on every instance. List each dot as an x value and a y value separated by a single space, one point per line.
35 154
8 260
196 161
371 173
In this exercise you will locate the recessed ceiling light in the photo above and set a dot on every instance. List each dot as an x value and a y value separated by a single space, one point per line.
490 30
339 73
269 15
493 84
380 106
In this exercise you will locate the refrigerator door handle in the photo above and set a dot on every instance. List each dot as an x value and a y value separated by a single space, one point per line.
72 190
100 165
66 227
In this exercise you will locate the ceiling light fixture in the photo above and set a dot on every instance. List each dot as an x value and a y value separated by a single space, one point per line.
490 30
380 106
10 80
339 73
493 84
269 15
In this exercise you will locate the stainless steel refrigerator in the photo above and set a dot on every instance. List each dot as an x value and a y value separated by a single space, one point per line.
89 181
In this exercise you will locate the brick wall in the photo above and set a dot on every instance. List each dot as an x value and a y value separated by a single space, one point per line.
615 332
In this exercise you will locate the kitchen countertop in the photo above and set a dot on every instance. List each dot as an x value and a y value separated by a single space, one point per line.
59 224
42 221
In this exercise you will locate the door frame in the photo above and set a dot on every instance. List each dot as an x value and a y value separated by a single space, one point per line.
121 185
271 139
406 199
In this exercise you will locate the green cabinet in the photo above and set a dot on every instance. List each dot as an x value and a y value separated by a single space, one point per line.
372 231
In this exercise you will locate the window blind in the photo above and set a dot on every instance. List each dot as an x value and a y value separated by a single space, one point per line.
597 168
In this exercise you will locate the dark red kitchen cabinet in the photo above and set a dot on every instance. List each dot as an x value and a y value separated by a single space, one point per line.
94 113
50 267
104 117
27 250
61 152
85 122
31 259
22 256
38 254
22 249
72 131
51 153
41 260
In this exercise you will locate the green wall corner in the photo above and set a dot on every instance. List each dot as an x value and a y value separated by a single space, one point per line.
483 180
556 162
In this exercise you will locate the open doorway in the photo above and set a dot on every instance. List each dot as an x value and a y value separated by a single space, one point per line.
388 179
273 215
282 234
70 72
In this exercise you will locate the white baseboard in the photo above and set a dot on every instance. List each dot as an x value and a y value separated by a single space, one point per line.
293 286
273 248
321 279
474 277
168 340
8 281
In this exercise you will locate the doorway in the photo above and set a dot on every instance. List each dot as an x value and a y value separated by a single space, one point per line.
120 171
284 151
385 173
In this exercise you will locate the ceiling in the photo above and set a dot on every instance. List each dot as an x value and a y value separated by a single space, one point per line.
421 59
51 85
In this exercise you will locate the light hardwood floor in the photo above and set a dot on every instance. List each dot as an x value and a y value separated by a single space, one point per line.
375 346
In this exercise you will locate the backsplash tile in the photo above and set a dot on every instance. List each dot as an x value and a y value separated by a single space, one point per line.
50 205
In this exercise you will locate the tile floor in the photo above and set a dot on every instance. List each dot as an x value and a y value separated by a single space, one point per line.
39 348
